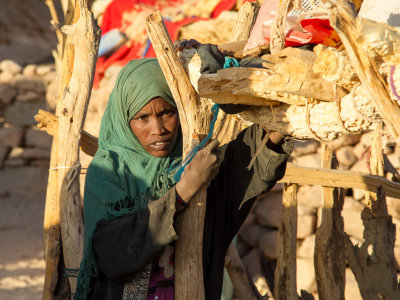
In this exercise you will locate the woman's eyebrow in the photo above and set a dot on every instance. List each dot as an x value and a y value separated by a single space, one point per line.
141 114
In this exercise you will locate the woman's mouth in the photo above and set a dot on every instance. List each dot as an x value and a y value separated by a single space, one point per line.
160 146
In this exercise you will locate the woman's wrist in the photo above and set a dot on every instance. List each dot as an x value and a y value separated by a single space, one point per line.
275 140
182 191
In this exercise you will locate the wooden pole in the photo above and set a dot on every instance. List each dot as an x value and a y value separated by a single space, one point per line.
51 224
285 273
343 19
195 117
84 35
329 260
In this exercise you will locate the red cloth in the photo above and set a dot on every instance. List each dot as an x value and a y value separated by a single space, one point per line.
317 32
112 18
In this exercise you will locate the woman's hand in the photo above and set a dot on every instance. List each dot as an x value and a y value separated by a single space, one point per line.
186 44
203 168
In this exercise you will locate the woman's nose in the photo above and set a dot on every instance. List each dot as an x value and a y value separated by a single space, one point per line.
158 127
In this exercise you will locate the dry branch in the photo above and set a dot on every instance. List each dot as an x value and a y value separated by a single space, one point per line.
195 117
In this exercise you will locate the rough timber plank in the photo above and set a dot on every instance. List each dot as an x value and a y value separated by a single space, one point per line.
194 117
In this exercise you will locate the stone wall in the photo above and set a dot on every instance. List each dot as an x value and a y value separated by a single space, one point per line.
22 93
258 238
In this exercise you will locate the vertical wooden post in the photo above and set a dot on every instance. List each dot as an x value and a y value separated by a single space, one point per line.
195 117
84 35
285 273
51 224
329 260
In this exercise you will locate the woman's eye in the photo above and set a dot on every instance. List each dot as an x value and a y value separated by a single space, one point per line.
143 118
168 114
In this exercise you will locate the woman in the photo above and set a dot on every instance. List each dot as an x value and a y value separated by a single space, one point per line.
131 197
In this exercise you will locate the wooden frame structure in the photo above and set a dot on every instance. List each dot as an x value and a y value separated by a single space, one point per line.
63 221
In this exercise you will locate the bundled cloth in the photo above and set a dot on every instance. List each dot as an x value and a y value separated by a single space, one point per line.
124 37
303 26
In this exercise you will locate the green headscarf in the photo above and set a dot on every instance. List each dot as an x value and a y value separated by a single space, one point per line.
122 177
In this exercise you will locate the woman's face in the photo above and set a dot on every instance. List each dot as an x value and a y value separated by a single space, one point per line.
156 127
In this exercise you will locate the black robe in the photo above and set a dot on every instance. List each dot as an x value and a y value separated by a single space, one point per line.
125 245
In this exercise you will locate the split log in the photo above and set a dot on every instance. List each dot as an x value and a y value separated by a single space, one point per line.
285 273
305 119
323 121
329 259
335 66
286 77
195 117
343 19
85 36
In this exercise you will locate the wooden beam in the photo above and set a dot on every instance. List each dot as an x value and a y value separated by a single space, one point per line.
285 272
343 20
195 117
342 179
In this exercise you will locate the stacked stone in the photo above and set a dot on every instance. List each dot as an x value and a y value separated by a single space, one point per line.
23 148
258 238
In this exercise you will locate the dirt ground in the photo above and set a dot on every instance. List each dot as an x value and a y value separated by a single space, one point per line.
22 197
26 37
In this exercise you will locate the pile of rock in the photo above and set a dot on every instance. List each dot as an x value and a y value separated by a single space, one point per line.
258 238
22 93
